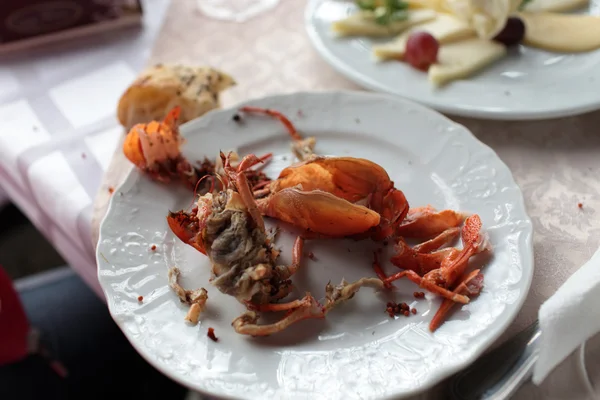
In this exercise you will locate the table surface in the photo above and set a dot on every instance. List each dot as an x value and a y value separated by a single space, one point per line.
57 106
67 155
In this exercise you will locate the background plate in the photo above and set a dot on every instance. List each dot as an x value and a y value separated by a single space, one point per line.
528 84
358 351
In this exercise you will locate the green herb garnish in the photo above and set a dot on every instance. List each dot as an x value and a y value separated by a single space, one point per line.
389 11
524 4
368 5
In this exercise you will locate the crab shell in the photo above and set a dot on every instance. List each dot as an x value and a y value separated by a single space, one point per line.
242 260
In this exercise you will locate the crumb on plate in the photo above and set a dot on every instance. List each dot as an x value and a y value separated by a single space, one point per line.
211 335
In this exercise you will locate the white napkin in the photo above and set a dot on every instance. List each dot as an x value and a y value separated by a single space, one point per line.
569 318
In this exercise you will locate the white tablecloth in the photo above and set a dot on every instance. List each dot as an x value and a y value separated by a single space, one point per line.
59 130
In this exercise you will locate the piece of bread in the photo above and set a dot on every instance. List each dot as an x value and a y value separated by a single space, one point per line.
160 88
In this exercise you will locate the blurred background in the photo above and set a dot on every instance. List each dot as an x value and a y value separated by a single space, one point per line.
17 239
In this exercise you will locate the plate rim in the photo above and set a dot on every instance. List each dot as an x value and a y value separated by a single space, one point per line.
358 78
133 174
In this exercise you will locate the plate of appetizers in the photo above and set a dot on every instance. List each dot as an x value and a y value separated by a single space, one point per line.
327 245
496 59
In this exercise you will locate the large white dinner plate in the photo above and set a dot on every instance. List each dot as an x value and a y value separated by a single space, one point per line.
358 351
528 84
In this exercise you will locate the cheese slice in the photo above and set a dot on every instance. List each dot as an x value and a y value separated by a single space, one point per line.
461 59
555 5
445 28
567 33
437 5
363 24
487 17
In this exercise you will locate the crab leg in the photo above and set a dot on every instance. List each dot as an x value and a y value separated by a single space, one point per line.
379 271
276 114
303 148
474 242
196 299
246 324
439 241
454 265
429 285
264 159
260 186
408 258
471 286
277 306
286 272
344 291
296 255
244 188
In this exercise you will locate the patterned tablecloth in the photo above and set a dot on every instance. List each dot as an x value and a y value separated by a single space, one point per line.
64 157
59 130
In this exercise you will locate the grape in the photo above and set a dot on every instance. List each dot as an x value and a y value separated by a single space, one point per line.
513 32
421 50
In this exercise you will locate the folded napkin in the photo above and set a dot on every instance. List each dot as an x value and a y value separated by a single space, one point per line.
569 318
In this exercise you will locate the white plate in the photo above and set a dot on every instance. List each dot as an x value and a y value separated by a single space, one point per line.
358 351
528 84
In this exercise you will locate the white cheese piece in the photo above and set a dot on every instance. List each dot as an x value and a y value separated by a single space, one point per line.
555 5
363 24
462 59
445 28
567 33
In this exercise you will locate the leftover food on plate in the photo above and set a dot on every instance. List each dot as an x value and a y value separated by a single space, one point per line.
195 90
324 198
455 39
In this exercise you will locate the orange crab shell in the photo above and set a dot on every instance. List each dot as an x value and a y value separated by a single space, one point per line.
318 211
349 178
166 132
189 228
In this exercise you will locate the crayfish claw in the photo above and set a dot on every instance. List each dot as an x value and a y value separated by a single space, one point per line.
319 212
427 222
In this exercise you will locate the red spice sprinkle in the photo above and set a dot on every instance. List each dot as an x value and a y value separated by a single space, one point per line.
311 256
153 247
414 310
140 298
580 205
83 155
300 113
211 335
396 309
111 190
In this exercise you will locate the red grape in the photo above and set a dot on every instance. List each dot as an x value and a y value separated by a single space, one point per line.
513 32
421 50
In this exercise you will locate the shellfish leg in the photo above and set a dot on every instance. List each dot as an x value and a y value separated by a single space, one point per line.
471 286
247 323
